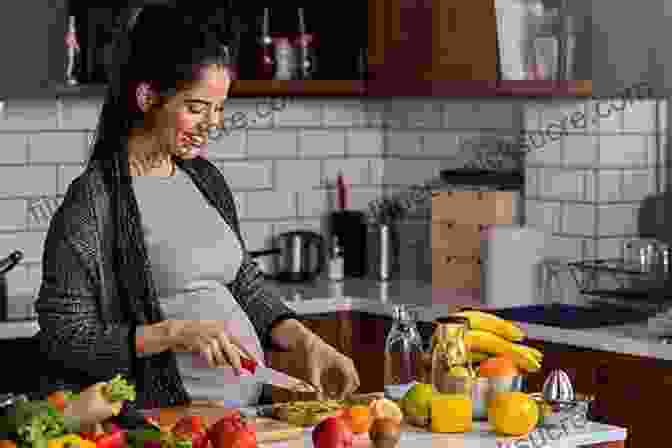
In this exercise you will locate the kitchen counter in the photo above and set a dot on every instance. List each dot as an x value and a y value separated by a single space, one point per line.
379 298
593 434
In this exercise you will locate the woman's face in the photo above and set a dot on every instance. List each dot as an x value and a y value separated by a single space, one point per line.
182 120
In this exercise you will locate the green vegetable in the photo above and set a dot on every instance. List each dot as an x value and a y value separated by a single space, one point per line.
34 422
118 389
136 438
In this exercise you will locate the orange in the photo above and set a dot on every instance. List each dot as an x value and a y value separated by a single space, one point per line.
7 444
497 366
382 407
358 418
513 413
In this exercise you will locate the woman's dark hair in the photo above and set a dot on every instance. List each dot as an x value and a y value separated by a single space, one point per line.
166 46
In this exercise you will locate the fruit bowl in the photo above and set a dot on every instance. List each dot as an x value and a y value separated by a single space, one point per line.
483 389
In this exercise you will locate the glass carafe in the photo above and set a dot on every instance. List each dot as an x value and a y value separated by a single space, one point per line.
403 350
452 377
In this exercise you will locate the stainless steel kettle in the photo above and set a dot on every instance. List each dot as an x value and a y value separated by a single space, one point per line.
299 256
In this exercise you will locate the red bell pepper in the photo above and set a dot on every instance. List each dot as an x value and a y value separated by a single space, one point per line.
114 440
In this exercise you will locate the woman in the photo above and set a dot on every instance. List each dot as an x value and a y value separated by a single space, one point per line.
135 286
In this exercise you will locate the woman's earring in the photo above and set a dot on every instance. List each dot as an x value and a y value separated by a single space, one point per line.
143 95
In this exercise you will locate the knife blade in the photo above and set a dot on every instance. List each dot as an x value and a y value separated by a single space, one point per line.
275 377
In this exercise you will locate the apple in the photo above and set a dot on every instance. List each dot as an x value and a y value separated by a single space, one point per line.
332 432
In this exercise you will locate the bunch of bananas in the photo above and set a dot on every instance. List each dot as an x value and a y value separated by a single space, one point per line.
490 335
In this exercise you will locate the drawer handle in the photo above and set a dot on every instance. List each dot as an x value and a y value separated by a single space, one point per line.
450 224
449 259
478 260
480 195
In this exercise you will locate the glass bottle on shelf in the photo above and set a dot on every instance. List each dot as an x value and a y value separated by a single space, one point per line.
265 54
452 377
73 54
403 350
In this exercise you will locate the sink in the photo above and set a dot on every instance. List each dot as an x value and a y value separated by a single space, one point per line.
572 316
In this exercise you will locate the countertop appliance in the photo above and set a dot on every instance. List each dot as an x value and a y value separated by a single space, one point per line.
298 256
7 265
511 256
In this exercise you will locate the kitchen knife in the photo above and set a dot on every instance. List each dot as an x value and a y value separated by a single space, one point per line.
275 377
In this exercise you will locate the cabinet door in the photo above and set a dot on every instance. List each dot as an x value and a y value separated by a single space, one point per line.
32 46
430 40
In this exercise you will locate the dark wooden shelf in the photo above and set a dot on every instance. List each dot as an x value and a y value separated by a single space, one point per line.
383 89
256 88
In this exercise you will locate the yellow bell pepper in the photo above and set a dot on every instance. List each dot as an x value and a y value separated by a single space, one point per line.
70 440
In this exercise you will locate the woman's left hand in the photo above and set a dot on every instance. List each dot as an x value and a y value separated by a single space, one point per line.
321 358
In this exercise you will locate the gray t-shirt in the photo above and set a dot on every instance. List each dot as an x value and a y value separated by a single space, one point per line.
194 253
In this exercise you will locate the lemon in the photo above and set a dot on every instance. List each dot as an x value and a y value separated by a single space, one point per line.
417 400
513 413
451 413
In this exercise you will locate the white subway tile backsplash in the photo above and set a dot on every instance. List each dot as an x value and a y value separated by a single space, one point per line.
232 146
640 116
368 142
406 113
322 143
491 114
580 150
610 182
58 147
270 204
638 184
624 150
374 111
344 113
565 247
542 150
272 143
445 144
257 235
313 203
253 112
557 183
409 172
605 116
403 143
79 113
377 171
30 115
13 214
531 182
566 115
13 148
66 174
362 196
610 248
17 282
617 219
27 180
297 175
355 171
578 219
543 215
30 243
531 116
303 113
247 175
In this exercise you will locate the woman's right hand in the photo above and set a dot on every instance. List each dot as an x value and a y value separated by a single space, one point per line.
211 340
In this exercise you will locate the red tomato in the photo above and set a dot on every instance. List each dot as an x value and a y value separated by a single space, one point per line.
232 432
57 400
192 428
332 432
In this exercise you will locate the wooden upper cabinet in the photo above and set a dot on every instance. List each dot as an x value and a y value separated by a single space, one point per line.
431 40
32 46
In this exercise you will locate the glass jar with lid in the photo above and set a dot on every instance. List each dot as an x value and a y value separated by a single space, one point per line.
452 377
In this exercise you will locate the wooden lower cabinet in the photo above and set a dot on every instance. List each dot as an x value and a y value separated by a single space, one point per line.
629 391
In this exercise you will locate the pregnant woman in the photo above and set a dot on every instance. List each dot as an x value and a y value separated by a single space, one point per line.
144 269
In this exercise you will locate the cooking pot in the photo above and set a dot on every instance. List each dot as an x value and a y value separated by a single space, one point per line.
298 256
6 265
